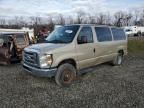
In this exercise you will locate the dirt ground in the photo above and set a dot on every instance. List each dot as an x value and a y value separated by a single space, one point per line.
105 86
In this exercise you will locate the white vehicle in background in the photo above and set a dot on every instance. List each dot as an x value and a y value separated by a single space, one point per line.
128 31
134 30
141 29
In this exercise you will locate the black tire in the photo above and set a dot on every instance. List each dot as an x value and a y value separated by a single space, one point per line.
66 74
139 34
118 60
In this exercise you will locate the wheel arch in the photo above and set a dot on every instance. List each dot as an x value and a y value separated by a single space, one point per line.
70 61
121 51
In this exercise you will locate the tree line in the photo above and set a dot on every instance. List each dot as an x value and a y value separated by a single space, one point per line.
119 18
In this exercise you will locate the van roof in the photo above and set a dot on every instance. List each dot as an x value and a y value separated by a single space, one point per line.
92 25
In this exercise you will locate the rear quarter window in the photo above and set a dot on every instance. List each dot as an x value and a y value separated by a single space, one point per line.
118 34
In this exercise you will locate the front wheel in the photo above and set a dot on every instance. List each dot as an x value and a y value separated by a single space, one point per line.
66 74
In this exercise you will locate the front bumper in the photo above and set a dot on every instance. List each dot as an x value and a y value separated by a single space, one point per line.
40 72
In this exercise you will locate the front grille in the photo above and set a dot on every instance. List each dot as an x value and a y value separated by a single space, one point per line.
30 58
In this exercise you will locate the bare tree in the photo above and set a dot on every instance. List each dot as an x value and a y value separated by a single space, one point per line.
2 21
92 19
50 24
128 17
22 22
108 19
101 18
136 16
142 18
119 16
9 22
16 20
61 19
71 20
36 20
80 17
78 20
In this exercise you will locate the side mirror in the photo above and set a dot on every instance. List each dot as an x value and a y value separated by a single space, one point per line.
82 40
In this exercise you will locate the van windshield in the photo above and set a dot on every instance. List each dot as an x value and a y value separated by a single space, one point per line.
64 34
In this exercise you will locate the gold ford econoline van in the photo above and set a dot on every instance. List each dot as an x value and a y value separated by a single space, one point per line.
70 49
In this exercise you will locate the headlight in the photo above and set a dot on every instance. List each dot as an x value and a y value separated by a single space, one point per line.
46 60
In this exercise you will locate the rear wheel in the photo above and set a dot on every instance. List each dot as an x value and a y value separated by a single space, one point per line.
118 60
139 34
66 74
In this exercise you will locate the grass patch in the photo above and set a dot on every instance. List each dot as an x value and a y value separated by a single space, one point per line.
136 47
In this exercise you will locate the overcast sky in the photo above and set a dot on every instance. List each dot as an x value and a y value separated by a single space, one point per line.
66 7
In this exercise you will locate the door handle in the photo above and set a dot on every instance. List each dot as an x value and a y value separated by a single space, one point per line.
94 50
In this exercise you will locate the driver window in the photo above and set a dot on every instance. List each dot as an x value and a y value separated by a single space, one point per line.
85 36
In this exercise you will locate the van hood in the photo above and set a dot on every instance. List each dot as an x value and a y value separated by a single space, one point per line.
45 47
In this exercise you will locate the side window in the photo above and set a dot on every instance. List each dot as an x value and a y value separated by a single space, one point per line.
118 34
85 35
103 34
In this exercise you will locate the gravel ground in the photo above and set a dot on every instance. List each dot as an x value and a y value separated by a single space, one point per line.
105 86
